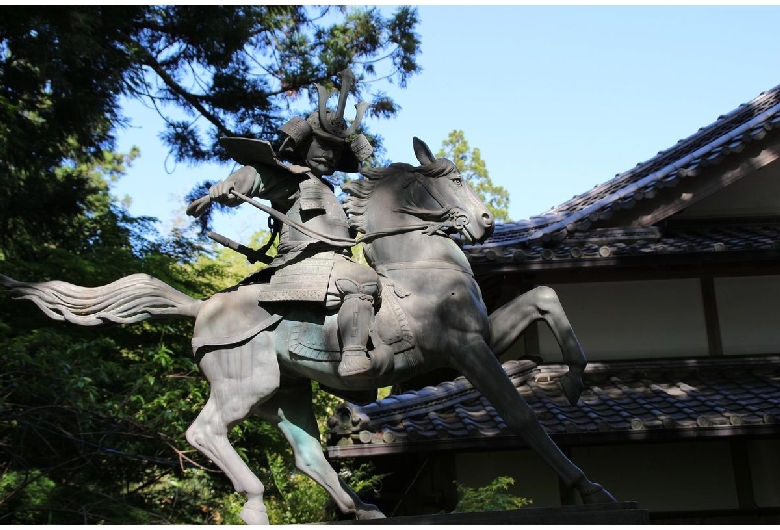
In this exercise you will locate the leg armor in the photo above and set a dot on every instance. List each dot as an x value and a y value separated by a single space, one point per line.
354 318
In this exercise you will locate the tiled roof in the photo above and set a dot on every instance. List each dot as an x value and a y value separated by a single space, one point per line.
678 397
600 244
709 146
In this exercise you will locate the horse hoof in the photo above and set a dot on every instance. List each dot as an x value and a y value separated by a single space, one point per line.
572 387
369 511
254 512
596 494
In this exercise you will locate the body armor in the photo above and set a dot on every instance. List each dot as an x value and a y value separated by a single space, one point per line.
305 268
302 270
318 209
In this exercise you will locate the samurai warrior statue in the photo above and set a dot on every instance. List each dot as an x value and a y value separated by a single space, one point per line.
308 266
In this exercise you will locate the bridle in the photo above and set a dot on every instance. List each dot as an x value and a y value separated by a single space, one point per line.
447 216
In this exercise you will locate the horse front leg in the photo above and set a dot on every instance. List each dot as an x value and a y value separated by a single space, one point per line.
509 321
477 362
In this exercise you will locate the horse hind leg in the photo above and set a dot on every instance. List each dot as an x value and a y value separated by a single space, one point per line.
509 321
208 434
290 410
240 378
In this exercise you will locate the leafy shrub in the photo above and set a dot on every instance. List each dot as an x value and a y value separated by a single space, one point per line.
493 497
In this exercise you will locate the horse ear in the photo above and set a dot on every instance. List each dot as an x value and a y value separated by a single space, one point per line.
422 152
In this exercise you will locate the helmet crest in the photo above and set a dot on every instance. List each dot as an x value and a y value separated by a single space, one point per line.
334 122
330 125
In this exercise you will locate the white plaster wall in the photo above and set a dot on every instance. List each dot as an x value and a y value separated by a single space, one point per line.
749 314
631 320
664 476
534 479
515 351
659 476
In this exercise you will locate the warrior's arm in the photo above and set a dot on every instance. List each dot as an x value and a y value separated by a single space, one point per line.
242 181
266 182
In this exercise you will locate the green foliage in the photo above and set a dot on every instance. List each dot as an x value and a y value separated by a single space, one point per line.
298 498
92 421
31 491
471 166
210 71
492 497
99 418
361 477
236 68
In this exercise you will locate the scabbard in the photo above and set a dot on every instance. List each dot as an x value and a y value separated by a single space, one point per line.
250 253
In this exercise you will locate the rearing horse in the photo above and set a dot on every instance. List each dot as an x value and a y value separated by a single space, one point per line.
261 359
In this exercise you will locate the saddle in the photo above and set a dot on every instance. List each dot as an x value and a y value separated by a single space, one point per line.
390 328
312 339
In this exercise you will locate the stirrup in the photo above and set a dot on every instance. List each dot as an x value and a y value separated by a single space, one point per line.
354 361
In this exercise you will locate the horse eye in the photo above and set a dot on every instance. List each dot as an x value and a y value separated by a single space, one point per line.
457 180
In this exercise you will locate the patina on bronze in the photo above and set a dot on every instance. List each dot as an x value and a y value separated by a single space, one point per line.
260 350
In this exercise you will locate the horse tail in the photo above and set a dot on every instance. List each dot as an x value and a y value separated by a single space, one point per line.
128 300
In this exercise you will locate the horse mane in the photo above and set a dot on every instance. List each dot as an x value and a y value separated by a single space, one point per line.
361 190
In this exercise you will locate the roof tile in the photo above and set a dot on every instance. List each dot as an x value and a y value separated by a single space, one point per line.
690 238
708 146
665 395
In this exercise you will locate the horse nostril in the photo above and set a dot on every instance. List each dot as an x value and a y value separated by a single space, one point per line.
487 219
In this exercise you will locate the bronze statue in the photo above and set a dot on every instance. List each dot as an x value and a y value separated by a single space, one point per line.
307 267
260 350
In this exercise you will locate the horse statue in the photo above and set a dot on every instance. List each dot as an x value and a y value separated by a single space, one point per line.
261 358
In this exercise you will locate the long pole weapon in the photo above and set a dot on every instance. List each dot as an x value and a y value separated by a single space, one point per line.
253 255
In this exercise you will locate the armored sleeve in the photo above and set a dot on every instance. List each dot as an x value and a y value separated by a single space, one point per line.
274 183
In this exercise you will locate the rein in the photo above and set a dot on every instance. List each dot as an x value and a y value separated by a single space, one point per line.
340 242
384 268
448 213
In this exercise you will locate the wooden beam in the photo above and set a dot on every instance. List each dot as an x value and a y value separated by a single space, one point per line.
742 475
567 496
711 320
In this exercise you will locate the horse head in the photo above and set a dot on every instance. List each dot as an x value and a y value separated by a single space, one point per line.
443 188
432 196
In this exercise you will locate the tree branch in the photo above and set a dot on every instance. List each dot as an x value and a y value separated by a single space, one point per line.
186 96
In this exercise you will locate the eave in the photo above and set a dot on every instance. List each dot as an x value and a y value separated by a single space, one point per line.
654 400
737 144
695 243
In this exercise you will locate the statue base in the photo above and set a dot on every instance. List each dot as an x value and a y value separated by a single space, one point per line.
627 513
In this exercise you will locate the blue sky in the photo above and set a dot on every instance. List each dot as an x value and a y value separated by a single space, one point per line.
557 98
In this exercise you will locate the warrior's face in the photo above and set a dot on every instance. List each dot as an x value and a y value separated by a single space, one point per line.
323 155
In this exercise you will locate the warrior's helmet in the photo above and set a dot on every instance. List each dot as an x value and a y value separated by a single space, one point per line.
331 126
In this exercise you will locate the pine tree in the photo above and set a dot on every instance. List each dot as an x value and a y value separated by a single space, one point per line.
471 166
